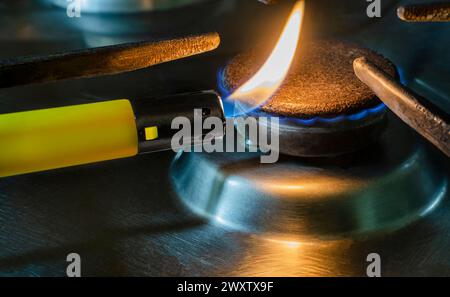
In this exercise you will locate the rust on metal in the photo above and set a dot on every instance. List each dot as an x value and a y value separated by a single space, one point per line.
103 60
321 81
429 12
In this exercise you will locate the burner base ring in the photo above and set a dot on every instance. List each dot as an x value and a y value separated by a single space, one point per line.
376 190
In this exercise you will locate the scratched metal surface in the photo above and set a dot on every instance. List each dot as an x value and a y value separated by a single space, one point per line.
124 218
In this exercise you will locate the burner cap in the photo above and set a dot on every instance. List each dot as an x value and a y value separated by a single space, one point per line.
321 81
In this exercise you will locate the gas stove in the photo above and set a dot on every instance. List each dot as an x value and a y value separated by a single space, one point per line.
226 214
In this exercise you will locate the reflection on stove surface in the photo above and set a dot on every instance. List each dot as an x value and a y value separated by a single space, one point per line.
380 189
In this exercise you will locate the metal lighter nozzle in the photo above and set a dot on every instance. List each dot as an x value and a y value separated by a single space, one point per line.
161 112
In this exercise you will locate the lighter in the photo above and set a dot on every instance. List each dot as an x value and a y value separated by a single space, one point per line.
53 138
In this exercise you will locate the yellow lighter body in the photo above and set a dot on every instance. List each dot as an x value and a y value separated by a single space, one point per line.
53 138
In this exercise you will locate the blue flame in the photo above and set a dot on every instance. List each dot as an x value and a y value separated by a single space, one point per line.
402 76
379 109
230 112
228 105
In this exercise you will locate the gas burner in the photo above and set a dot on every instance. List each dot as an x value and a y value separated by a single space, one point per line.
380 189
327 113
324 109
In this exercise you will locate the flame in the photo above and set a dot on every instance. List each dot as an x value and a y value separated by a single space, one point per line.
269 78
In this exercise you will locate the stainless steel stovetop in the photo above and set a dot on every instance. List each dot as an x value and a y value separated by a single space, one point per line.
139 216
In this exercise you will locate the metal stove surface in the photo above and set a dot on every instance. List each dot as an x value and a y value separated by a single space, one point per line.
125 218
